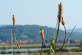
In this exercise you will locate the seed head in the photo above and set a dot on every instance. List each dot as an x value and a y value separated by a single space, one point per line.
63 22
18 46
13 20
42 34
60 12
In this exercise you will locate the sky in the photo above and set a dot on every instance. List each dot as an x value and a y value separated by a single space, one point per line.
41 12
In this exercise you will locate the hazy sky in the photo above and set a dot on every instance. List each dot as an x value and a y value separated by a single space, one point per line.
41 12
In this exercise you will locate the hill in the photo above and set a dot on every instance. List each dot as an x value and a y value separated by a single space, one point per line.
79 30
32 32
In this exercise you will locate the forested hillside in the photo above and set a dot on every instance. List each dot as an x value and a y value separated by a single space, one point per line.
32 32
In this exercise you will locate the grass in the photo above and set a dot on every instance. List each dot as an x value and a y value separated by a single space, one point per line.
64 53
37 46
44 51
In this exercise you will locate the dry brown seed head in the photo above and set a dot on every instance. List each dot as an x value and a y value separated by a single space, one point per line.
63 22
13 20
42 34
18 46
60 12
16 42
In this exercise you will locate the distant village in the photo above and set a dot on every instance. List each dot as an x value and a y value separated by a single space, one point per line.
35 42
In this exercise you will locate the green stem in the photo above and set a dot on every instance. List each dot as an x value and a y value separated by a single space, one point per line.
11 42
57 35
71 33
64 40
41 48
14 33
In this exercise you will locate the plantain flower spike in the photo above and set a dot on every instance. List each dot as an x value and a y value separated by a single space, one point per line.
18 46
42 34
60 12
13 20
63 22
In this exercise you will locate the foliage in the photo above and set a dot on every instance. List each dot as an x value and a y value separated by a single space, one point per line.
52 47
32 33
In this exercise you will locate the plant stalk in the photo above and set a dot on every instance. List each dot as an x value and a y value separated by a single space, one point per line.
11 42
71 33
57 35
64 41
42 47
